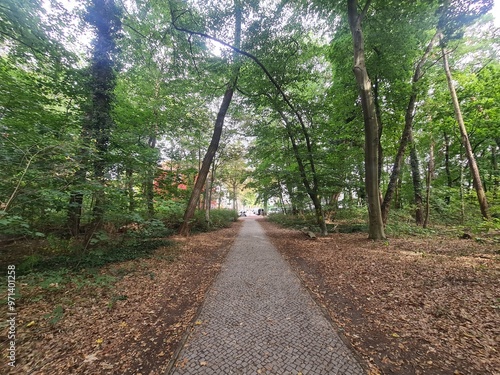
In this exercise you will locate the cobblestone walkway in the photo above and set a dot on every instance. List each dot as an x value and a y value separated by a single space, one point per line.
258 319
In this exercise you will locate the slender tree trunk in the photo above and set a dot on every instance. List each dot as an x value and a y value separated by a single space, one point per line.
449 180
397 198
219 201
409 116
494 175
311 189
209 188
207 160
235 197
417 183
476 177
150 180
130 188
376 225
462 191
75 207
219 124
430 173
207 199
378 111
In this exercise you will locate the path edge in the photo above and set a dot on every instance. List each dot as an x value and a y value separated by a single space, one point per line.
186 335
324 311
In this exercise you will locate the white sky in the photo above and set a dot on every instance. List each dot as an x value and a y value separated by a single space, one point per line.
496 12
84 38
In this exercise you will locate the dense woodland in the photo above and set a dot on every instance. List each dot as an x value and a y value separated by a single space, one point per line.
154 114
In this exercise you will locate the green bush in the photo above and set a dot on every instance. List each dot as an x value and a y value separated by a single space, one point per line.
112 253
294 221
219 218
170 213
15 225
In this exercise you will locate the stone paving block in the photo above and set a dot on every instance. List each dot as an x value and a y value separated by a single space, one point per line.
258 319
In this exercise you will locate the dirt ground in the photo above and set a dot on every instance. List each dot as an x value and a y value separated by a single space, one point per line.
132 326
407 306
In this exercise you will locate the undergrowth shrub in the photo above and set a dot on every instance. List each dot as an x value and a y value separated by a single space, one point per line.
94 258
219 218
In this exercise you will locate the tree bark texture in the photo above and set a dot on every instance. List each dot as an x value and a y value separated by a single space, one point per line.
476 177
376 225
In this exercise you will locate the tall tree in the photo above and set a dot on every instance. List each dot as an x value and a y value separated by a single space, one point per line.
455 16
476 177
408 128
104 16
376 225
219 124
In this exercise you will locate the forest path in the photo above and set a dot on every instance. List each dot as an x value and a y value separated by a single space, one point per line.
259 319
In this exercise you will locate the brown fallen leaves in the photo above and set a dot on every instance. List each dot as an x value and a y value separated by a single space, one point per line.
407 306
132 326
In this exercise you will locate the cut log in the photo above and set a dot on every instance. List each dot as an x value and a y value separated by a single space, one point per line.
309 234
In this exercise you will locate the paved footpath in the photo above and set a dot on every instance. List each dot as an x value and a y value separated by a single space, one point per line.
259 319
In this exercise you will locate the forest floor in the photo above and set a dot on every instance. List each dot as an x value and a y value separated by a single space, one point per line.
127 319
414 305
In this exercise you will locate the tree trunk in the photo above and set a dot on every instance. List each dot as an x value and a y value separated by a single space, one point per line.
417 183
494 174
207 160
207 199
235 196
476 177
378 111
75 213
150 180
130 188
312 191
396 169
449 180
430 173
398 201
376 225
219 124
462 191
104 16
409 115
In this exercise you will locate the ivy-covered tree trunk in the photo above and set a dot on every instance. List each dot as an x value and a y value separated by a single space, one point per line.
476 177
376 225
104 16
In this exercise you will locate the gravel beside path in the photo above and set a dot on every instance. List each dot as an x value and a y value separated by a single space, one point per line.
258 319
